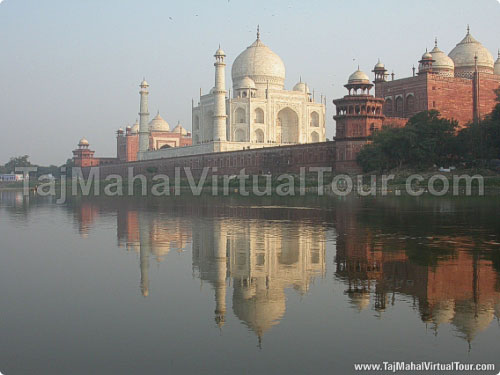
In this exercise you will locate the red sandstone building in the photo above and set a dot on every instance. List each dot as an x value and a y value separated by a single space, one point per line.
460 86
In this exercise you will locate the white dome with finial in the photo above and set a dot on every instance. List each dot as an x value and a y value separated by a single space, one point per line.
358 77
245 83
442 65
159 124
260 64
83 142
463 56
379 65
302 87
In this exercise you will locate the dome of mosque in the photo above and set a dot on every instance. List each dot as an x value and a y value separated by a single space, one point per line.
441 61
259 63
159 124
464 53
358 77
83 142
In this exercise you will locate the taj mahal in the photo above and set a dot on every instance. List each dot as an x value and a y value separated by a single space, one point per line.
260 125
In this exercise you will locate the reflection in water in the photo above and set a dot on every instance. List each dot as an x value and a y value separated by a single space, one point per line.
436 256
449 278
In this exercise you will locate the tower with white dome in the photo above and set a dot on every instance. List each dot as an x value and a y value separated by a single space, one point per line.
259 112
144 118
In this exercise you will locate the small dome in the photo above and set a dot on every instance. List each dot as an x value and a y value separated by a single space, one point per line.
302 87
144 83
135 127
379 65
358 77
128 127
180 129
427 56
463 55
83 142
497 65
158 124
442 63
220 52
245 83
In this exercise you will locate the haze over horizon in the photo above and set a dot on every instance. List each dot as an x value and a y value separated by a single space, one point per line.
72 69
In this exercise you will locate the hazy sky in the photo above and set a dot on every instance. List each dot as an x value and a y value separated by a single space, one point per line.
72 68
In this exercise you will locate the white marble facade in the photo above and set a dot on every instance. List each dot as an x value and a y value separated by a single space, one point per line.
260 112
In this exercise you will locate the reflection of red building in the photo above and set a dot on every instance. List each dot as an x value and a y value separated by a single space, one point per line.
83 156
461 288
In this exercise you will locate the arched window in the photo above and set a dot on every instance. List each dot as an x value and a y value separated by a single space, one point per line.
410 103
314 119
196 122
240 116
239 135
259 136
314 137
259 116
388 105
399 105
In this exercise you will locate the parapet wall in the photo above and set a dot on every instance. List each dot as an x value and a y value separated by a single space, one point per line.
275 160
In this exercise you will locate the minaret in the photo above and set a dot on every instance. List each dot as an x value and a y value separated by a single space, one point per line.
220 268
144 120
476 114
219 125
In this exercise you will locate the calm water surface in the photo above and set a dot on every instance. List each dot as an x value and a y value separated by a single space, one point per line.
207 285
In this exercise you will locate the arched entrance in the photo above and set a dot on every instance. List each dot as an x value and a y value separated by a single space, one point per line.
287 126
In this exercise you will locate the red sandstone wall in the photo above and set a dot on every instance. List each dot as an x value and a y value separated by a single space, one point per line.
273 160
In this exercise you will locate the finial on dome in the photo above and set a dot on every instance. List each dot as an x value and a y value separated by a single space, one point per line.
499 53
258 32
435 42
300 77
468 29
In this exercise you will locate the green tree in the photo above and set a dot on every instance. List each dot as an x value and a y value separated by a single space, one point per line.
16 161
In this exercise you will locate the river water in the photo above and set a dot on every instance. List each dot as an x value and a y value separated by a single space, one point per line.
307 285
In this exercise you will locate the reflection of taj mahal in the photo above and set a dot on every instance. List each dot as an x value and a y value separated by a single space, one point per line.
262 260
261 253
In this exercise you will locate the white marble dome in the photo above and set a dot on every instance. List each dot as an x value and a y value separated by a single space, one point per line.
463 56
442 64
245 83
159 124
302 87
260 64
358 77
